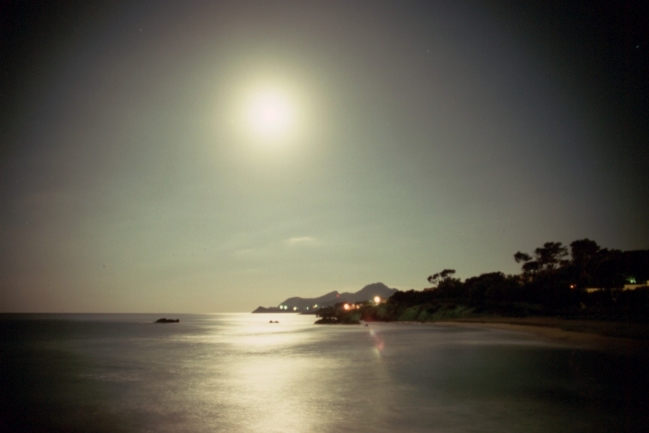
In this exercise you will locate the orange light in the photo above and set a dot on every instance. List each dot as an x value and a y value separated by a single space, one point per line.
346 307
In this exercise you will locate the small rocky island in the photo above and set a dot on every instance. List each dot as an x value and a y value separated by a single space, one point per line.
165 320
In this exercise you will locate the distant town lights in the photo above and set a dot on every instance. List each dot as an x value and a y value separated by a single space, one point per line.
377 299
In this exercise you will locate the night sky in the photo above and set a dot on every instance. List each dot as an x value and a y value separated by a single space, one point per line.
417 136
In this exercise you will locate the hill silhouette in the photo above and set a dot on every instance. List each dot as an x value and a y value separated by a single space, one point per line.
299 304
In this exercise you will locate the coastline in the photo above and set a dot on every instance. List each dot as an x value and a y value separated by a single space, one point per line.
618 338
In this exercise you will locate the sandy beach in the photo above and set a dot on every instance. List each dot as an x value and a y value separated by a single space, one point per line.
619 338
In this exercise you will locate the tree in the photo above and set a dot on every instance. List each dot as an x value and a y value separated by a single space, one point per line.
546 258
531 267
441 276
586 258
522 257
551 255
582 251
608 268
489 286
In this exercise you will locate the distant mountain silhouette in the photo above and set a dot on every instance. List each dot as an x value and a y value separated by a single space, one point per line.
307 304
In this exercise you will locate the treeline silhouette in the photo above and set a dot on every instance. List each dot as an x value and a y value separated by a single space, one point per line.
581 280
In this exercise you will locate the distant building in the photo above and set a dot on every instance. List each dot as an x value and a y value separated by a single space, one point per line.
593 289
630 285
635 286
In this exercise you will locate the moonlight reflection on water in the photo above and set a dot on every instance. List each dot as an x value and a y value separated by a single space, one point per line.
239 373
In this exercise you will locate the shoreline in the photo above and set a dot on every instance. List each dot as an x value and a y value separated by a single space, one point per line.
583 334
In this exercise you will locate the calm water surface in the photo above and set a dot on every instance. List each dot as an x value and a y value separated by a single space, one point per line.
238 373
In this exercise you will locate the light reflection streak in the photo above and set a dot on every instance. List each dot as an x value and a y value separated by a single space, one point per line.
379 343
280 377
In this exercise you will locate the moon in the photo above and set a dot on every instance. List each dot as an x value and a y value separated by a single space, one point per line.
270 115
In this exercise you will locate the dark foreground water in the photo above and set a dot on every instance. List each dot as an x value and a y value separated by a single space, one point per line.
238 373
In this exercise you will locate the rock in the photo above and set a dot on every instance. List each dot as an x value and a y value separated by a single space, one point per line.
164 320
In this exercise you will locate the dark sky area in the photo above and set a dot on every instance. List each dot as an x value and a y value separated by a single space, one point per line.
399 138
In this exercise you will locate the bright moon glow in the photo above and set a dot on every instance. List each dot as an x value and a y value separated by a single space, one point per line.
270 115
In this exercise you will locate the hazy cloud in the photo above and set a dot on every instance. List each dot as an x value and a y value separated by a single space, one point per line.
301 240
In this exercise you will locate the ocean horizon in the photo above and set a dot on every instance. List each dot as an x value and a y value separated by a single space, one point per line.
236 372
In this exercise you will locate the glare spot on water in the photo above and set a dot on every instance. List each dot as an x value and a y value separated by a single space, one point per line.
378 342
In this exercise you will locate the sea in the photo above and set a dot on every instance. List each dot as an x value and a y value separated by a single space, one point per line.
239 373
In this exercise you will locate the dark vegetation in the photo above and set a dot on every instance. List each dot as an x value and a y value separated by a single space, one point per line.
337 315
582 281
